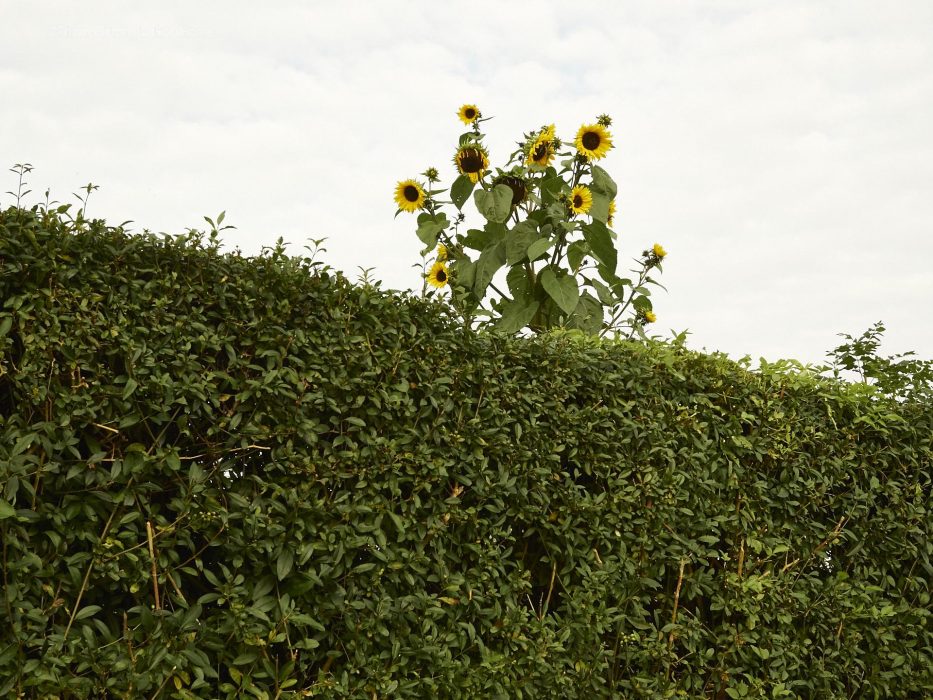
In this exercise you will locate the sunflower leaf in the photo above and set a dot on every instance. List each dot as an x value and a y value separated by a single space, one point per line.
463 273
538 248
602 183
428 231
517 241
642 303
588 316
480 239
562 288
550 189
489 262
496 204
516 314
599 210
597 235
576 251
461 189
603 292
519 284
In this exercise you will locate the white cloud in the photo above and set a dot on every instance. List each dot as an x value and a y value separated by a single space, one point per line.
781 152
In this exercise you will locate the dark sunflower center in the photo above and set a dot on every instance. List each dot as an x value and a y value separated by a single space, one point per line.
540 152
517 185
577 201
441 276
411 193
590 140
469 113
471 160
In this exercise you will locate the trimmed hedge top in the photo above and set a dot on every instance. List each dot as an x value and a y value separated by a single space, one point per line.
231 477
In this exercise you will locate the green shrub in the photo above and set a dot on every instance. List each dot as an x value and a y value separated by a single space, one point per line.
344 493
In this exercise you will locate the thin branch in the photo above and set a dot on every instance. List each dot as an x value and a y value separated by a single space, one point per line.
155 573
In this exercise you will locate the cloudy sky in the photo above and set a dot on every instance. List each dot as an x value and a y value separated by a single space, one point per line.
782 152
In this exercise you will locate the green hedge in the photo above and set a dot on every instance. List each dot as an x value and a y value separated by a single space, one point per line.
352 496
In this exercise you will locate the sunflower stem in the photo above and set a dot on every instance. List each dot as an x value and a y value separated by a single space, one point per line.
609 326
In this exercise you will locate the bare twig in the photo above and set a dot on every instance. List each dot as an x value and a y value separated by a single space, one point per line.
155 573
165 681
171 580
670 636
87 576
550 590
741 556
680 580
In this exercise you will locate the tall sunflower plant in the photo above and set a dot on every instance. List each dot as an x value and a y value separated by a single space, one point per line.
545 256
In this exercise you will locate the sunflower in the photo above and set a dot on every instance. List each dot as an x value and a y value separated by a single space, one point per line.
612 212
469 114
593 141
441 252
438 275
541 151
409 196
659 251
472 160
581 199
516 184
650 317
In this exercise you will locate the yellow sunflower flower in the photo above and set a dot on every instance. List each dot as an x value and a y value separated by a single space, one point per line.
581 199
659 251
441 252
409 196
650 317
438 275
469 114
593 141
472 160
612 213
541 151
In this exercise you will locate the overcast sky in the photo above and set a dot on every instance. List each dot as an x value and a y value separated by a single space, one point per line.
782 152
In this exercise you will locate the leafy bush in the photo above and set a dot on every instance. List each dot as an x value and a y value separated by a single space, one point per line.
232 477
903 376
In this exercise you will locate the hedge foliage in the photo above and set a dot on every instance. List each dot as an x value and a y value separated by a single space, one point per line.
345 493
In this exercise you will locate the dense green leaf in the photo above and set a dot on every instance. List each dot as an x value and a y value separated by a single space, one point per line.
6 510
480 238
576 251
515 315
599 210
428 232
539 248
517 241
600 241
561 287
518 282
495 205
461 190
588 315
488 263
602 183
